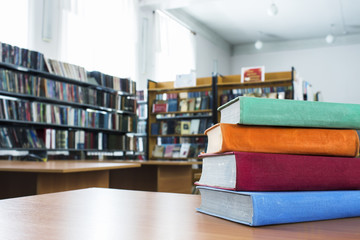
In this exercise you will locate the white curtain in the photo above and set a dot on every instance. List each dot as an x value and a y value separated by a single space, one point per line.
14 19
175 48
101 35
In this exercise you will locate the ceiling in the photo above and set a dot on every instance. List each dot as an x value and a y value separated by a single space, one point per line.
245 21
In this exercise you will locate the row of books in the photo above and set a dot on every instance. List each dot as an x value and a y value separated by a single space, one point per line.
141 127
184 150
142 111
21 57
268 92
66 69
79 139
181 95
182 105
140 95
40 87
274 161
20 138
36 60
116 83
141 143
12 109
183 127
179 140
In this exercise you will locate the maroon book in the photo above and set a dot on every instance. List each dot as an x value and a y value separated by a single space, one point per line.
245 171
159 107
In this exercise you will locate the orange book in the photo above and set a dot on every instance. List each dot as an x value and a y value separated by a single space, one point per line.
224 137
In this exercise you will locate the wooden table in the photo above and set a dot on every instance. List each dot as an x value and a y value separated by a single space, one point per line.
22 178
160 176
98 213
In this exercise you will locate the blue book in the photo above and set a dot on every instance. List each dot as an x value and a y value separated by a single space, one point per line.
267 208
172 105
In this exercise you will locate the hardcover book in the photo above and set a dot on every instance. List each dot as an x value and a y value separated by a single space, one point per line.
266 208
244 171
225 137
283 112
159 107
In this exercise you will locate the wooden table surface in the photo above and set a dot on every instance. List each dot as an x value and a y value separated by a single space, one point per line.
159 162
98 213
62 166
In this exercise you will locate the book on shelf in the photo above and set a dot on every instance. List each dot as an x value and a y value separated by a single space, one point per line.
267 208
164 128
183 105
185 127
185 150
172 105
225 137
140 95
245 171
159 107
14 137
176 151
294 113
191 104
168 149
194 126
21 57
158 151
155 128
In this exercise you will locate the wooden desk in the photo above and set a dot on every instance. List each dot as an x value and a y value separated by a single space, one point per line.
21 178
97 213
160 176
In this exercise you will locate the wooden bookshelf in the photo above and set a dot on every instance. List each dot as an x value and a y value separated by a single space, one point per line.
202 90
219 86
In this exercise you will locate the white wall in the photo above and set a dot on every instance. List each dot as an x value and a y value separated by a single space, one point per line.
49 48
333 70
207 53
209 47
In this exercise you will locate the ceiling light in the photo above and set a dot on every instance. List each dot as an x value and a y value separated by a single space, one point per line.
258 44
273 10
330 38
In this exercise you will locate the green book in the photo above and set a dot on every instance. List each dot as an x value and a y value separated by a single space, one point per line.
294 113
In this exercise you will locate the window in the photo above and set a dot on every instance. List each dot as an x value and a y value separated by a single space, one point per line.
14 19
100 35
175 48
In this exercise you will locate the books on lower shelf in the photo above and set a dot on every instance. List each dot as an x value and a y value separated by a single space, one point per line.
262 175
21 57
183 150
183 102
50 139
183 127
20 110
21 83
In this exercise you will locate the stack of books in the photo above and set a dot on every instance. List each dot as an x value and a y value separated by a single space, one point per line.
272 161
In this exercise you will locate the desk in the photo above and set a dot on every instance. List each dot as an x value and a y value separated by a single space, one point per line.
22 178
160 176
98 213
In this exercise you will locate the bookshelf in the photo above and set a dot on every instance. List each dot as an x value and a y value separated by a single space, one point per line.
61 114
141 134
223 88
177 118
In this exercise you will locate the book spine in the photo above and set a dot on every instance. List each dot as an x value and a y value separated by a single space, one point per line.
274 112
282 207
306 141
